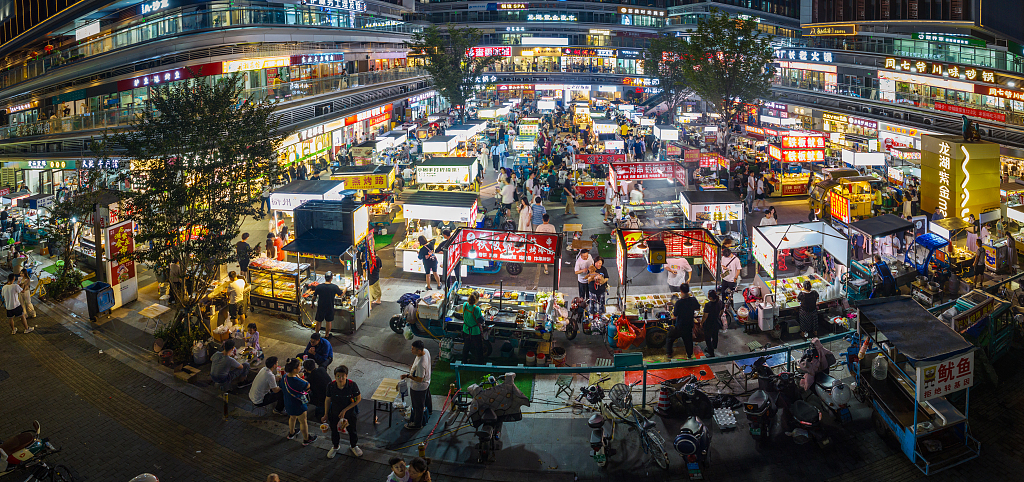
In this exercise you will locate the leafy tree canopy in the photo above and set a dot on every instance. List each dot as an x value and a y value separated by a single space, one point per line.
450 61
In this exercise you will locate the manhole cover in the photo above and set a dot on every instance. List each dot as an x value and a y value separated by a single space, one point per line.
4 375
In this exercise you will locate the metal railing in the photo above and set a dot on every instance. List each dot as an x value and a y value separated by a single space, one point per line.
176 24
282 93
645 367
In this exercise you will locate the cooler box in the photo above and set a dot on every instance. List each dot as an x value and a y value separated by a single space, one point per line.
766 314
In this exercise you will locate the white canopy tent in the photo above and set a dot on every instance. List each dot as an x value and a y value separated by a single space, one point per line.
768 240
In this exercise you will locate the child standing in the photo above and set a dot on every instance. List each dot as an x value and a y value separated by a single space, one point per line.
399 471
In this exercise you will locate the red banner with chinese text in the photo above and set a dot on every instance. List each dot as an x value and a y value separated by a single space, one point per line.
642 171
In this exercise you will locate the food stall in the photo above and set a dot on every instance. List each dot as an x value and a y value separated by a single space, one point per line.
439 145
794 151
710 166
916 362
285 199
458 174
375 185
717 211
32 209
590 174
852 198
876 230
1011 193
651 250
524 319
422 210
774 245
958 254
331 236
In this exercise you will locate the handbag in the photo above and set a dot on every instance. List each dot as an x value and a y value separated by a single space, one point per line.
302 396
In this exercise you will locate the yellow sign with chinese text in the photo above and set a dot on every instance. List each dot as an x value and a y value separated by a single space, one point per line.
380 182
957 177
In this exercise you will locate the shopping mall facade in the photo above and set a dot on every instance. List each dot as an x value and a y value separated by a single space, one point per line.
873 79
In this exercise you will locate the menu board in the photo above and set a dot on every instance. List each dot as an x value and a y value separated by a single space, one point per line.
710 254
674 242
509 246
839 206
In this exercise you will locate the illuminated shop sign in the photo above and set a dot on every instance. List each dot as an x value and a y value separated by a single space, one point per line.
968 111
350 5
629 54
317 58
589 52
640 82
23 106
551 17
650 12
936 68
931 81
950 39
153 6
513 6
775 105
422 97
856 121
489 51
373 114
229 66
508 87
515 29
802 142
785 64
483 79
999 92
804 55
601 31
831 30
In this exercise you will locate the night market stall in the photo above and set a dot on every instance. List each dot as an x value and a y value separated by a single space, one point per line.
877 234
429 213
448 174
375 186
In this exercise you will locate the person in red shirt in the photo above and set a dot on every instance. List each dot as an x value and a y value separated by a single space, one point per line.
279 247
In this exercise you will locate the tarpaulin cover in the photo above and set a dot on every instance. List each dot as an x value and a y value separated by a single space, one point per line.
323 242
915 332
883 225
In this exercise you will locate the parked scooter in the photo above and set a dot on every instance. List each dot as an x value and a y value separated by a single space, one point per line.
833 393
490 409
407 312
599 437
694 444
777 394
24 451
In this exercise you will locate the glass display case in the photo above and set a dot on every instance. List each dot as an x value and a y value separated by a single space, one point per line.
277 285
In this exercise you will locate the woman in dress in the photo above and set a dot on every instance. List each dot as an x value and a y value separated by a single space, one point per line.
525 213
296 393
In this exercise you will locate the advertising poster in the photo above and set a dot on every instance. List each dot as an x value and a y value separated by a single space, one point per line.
120 242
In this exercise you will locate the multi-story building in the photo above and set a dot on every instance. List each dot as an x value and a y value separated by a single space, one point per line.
71 74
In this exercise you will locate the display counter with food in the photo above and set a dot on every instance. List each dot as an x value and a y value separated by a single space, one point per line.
277 285
788 289
790 184
428 214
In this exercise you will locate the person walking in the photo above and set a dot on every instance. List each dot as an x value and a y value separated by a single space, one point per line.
243 253
429 259
683 313
808 314
296 393
712 321
472 335
545 228
569 191
340 410
731 268
373 277
598 280
508 194
761 196
537 212
25 295
12 301
979 264
751 192
525 215
768 219
419 385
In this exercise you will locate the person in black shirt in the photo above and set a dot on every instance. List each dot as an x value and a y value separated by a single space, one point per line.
373 277
598 279
712 321
318 379
323 295
342 398
808 314
426 255
244 254
683 314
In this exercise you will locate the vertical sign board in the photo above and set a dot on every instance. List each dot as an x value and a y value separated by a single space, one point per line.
711 255
839 206
960 178
945 377
119 241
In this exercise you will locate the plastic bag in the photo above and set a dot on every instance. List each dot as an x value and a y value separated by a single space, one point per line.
641 335
407 332
626 334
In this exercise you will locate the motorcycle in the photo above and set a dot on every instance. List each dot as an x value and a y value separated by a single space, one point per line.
833 393
600 439
577 310
490 409
694 444
585 316
24 451
407 314
686 399
777 394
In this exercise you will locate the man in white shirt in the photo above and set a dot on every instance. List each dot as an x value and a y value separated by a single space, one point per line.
761 195
235 287
419 385
264 389
730 270
582 269
508 195
12 302
751 191
679 271
545 228
636 196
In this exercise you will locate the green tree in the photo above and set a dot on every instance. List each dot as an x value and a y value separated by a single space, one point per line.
201 153
450 62
664 60
729 65
65 223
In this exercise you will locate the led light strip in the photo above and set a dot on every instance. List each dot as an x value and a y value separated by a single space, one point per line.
963 185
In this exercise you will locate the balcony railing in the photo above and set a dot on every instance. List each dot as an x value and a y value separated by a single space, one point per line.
282 93
174 24
919 49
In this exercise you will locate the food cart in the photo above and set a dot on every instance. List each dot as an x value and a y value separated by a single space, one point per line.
331 236
375 185
285 199
652 249
875 231
718 211
457 174
524 319
278 285
420 210
927 288
958 254
984 320
923 361
774 247
852 198
793 151
589 173
439 145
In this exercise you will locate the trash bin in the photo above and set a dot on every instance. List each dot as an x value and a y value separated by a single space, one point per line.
100 297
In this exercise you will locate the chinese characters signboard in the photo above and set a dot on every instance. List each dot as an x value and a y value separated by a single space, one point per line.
839 206
831 30
940 69
507 246
443 174
802 142
981 114
365 181
959 178
639 171
599 158
945 377
803 55
489 51
120 242
675 242
351 5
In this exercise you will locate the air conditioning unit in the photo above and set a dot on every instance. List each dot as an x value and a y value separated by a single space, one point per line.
929 121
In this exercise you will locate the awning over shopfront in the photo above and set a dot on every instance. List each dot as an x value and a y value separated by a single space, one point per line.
883 225
439 206
291 195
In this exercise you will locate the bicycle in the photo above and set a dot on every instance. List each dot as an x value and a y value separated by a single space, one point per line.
56 473
621 405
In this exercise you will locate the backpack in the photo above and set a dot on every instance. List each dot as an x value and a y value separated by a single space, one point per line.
769 188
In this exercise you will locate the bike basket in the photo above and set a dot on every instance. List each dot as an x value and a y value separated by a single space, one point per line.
621 396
